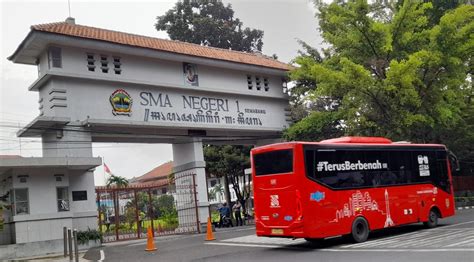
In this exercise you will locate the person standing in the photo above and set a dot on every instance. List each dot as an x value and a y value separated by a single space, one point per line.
237 213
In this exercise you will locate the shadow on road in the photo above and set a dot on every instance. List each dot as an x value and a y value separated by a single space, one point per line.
345 240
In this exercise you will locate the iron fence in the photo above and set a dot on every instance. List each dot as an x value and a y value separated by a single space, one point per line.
167 207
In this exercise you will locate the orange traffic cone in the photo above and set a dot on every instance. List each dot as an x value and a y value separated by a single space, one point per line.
210 234
150 244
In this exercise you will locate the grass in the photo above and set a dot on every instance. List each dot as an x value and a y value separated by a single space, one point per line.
164 225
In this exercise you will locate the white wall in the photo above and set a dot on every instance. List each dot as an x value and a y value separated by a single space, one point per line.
87 94
162 72
44 221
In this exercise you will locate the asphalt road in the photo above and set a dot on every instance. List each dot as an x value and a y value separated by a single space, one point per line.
452 240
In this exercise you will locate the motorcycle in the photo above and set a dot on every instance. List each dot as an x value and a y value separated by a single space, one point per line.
226 222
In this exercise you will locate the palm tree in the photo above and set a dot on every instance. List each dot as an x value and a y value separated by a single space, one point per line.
218 189
117 181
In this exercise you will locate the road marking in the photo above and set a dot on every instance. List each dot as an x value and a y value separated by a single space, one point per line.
400 250
417 240
241 244
348 250
429 238
468 241
463 223
102 255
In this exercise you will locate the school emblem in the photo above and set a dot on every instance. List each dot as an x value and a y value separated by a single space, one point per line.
121 102
191 77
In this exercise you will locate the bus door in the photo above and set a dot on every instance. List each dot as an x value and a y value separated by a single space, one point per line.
276 197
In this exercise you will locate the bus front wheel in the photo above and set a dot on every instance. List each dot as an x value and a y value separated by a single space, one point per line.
360 230
432 219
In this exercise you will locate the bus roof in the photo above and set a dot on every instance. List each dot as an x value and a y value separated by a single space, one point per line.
351 140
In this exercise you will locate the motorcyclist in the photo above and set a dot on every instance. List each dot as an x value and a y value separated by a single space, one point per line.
224 212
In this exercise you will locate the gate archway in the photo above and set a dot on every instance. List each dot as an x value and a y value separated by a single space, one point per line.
98 85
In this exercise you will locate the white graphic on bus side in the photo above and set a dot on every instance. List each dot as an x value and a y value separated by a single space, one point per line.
388 219
424 166
274 201
348 166
359 202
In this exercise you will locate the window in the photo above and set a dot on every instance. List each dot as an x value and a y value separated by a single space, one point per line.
344 168
265 84
79 195
249 82
90 62
54 57
441 178
23 178
62 198
20 201
117 65
274 162
257 81
358 168
213 182
58 177
104 64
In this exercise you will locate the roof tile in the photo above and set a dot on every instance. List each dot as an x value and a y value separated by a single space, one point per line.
178 47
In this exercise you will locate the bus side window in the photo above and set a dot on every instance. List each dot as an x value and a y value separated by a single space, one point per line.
442 179
423 166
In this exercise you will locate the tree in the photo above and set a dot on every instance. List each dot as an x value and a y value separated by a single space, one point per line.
229 162
209 23
399 69
117 181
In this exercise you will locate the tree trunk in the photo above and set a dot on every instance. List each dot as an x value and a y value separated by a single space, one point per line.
226 190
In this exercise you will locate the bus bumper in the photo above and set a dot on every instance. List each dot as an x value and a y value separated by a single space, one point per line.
295 230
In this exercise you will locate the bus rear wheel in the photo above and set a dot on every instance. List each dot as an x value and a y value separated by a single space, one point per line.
360 230
432 219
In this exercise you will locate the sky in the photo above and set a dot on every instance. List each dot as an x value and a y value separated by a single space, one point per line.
283 22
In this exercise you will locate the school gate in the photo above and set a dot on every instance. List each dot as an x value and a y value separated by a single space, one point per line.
127 212
97 85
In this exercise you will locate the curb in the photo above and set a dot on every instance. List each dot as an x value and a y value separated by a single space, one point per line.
468 207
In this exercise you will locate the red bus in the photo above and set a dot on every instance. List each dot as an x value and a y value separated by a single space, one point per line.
348 186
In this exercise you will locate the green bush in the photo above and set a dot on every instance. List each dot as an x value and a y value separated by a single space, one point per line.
83 237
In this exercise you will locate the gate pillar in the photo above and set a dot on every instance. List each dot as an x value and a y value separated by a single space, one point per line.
188 158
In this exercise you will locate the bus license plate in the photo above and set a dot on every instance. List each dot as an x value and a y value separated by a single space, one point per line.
277 231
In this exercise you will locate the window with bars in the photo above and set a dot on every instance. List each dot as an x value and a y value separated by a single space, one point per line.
62 198
91 62
21 201
266 85
117 65
258 83
104 64
249 82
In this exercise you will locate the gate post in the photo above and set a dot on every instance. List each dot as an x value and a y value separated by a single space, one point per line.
150 212
117 214
196 203
137 216
98 208
188 158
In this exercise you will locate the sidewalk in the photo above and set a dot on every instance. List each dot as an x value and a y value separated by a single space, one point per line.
53 257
